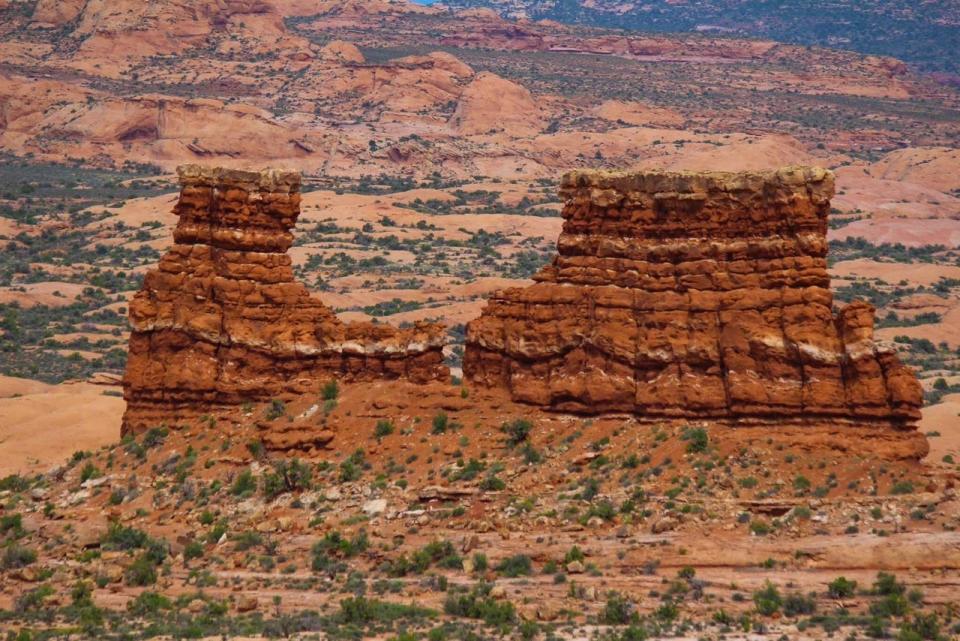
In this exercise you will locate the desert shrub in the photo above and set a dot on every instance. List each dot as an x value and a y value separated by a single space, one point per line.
11 526
530 454
140 573
514 566
477 604
328 551
469 471
697 440
618 610
492 483
14 483
440 422
362 611
922 627
148 603
841 587
276 409
890 605
330 390
193 550
517 431
440 553
244 484
246 540
17 556
796 604
383 429
89 471
887 584
768 599
155 437
574 554
902 487
121 537
287 476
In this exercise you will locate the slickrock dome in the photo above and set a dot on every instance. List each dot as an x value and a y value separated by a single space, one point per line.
221 320
698 295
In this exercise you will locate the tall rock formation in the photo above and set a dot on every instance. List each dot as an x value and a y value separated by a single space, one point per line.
693 295
221 321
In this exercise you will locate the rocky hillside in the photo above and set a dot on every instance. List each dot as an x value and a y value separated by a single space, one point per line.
922 33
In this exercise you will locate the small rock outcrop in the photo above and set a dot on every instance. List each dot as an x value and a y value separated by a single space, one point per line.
222 321
693 295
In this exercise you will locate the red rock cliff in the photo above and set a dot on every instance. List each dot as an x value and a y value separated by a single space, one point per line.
221 320
699 295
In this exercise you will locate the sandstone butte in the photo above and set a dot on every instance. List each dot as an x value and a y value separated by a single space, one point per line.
695 296
221 321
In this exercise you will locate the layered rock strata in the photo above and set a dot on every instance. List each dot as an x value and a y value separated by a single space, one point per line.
221 321
693 295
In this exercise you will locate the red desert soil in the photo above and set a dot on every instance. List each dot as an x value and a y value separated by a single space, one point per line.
43 425
632 554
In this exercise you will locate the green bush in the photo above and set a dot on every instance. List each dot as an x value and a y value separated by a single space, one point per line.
192 550
328 551
17 556
768 599
492 483
796 604
155 437
141 572
902 487
244 484
287 476
841 587
14 483
363 611
89 471
887 584
517 431
148 603
440 553
383 429
890 605
514 566
477 604
120 537
330 390
617 611
697 440
574 554
276 409
11 526
440 422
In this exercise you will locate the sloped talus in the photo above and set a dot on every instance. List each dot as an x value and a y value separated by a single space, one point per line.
697 295
222 321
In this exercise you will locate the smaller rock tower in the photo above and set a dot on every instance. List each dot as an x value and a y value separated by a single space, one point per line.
221 320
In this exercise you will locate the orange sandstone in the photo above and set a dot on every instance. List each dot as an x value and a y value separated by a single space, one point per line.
694 295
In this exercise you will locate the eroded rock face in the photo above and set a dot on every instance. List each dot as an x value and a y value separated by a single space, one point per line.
221 320
692 295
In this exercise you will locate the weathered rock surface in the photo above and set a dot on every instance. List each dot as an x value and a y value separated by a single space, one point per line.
693 295
221 320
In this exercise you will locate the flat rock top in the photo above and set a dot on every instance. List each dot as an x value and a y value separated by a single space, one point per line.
265 179
654 181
